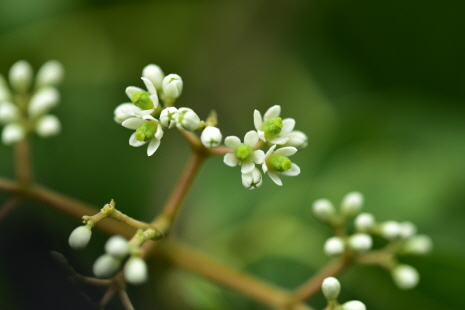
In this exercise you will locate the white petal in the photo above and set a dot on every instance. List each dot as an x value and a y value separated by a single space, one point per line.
149 86
270 151
232 142
230 160
141 113
278 140
150 118
274 111
131 89
247 167
134 142
286 151
258 157
133 123
251 138
159 133
293 171
153 146
257 120
264 167
247 179
275 178
261 135
288 126
154 99
130 109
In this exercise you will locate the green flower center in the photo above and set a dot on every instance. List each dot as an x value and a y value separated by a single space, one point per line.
279 163
146 131
273 127
142 100
243 152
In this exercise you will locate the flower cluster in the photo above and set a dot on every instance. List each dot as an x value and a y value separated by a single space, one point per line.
400 238
25 105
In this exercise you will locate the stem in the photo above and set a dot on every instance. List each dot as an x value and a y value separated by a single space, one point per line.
23 163
8 206
123 296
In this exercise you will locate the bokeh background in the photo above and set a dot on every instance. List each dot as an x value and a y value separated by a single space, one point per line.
377 86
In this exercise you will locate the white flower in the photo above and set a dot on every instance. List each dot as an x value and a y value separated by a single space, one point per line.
405 276
243 153
12 133
48 125
407 229
323 210
352 204
80 237
50 74
211 137
147 129
364 222
21 76
271 127
135 271
169 116
9 112
278 162
42 101
144 103
334 246
253 179
106 265
417 245
154 74
353 305
297 139
172 86
187 119
360 242
117 246
391 230
331 288
121 112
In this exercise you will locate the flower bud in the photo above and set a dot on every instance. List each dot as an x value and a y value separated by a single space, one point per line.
364 222
417 245
331 288
21 76
407 229
135 271
334 246
154 74
360 242
168 117
351 204
390 230
117 246
323 210
297 139
187 120
172 86
9 112
13 133
405 276
48 125
42 101
211 137
252 180
106 266
353 305
120 114
50 74
80 237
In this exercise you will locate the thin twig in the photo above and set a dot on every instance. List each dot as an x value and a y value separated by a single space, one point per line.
111 291
23 163
123 296
9 206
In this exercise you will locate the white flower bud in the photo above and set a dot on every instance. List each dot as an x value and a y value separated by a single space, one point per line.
252 180
155 75
117 246
50 74
297 139
120 114
48 125
323 210
334 246
390 230
12 133
187 120
169 116
80 237
407 229
172 86
106 266
331 288
405 276
21 76
364 222
211 137
9 112
353 305
417 245
42 101
360 242
351 204
135 271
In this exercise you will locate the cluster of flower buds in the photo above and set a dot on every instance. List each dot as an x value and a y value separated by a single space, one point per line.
331 288
24 106
400 237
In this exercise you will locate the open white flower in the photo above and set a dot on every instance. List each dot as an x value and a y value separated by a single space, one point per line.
243 153
144 103
278 162
148 129
271 127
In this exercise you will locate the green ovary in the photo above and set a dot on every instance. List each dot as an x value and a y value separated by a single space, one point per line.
273 127
146 131
279 163
142 100
243 152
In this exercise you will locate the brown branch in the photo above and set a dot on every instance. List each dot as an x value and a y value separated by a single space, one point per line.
23 163
9 206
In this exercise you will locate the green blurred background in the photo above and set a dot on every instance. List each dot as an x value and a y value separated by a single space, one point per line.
377 86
